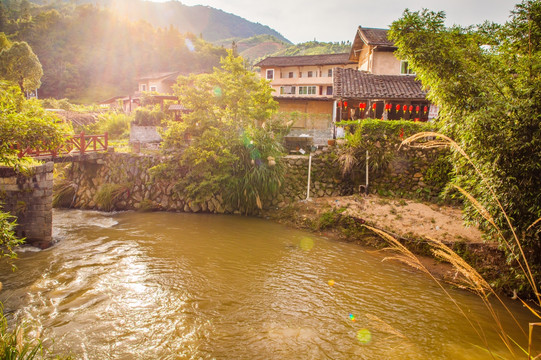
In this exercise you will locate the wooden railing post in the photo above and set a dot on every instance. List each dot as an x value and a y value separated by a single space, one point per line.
82 143
106 141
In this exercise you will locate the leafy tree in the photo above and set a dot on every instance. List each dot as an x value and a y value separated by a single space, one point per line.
487 82
19 64
22 122
234 147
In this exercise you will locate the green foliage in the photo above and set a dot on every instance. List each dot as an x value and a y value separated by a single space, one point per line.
229 144
149 116
315 48
109 194
24 122
88 52
487 82
439 173
16 344
380 138
20 65
117 125
8 240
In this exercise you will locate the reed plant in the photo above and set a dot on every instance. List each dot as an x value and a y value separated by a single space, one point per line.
467 277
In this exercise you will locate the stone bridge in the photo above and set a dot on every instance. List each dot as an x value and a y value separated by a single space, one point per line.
28 194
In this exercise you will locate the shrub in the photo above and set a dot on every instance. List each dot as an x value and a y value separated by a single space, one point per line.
148 116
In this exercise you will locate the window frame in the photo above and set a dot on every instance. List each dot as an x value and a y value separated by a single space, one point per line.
404 65
267 74
307 90
292 90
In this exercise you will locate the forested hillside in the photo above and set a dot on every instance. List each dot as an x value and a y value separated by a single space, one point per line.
88 53
213 24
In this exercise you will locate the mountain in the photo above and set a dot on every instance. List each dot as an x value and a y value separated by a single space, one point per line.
213 24
255 47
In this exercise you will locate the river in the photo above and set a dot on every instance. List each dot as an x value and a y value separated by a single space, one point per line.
191 286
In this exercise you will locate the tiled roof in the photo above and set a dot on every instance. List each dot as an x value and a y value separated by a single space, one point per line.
327 59
177 107
375 37
354 84
157 76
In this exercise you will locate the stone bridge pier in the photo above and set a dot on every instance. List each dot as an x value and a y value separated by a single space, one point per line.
28 196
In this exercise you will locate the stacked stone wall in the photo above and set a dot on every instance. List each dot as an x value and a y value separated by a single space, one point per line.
134 187
28 196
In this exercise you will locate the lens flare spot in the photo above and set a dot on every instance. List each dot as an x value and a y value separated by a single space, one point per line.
307 243
331 282
217 91
364 336
189 44
352 317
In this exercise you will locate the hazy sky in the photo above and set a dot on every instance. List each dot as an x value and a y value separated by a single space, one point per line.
328 20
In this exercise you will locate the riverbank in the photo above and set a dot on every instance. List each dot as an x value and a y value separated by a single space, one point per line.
342 218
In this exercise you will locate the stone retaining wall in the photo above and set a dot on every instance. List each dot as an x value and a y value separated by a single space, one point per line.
29 198
127 178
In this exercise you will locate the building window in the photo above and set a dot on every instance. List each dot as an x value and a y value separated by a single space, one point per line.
329 90
270 74
310 73
405 69
329 73
153 88
307 90
143 87
287 90
291 74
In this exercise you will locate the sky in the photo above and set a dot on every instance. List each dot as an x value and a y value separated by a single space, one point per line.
328 20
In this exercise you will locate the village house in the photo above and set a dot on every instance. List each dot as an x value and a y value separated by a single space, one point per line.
160 83
304 84
383 86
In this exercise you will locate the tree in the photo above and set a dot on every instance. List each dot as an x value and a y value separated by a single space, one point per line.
487 82
22 122
234 142
19 64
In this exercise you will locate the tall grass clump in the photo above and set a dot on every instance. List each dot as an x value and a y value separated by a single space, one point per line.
109 194
468 278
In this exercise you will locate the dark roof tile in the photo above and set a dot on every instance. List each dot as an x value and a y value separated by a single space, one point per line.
354 84
304 60
375 37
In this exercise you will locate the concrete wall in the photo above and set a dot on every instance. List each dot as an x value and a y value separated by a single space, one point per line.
144 134
29 198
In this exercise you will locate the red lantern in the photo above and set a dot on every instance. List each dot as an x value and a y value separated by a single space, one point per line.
388 107
374 106
405 108
417 108
416 120
425 109
339 104
397 107
345 104
362 106
411 108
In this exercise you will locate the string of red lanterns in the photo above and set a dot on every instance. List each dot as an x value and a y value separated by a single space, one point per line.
389 107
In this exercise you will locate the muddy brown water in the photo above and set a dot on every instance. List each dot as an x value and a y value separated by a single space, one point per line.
191 286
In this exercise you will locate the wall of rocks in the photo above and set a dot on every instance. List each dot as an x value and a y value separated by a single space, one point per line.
127 179
28 196
408 172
